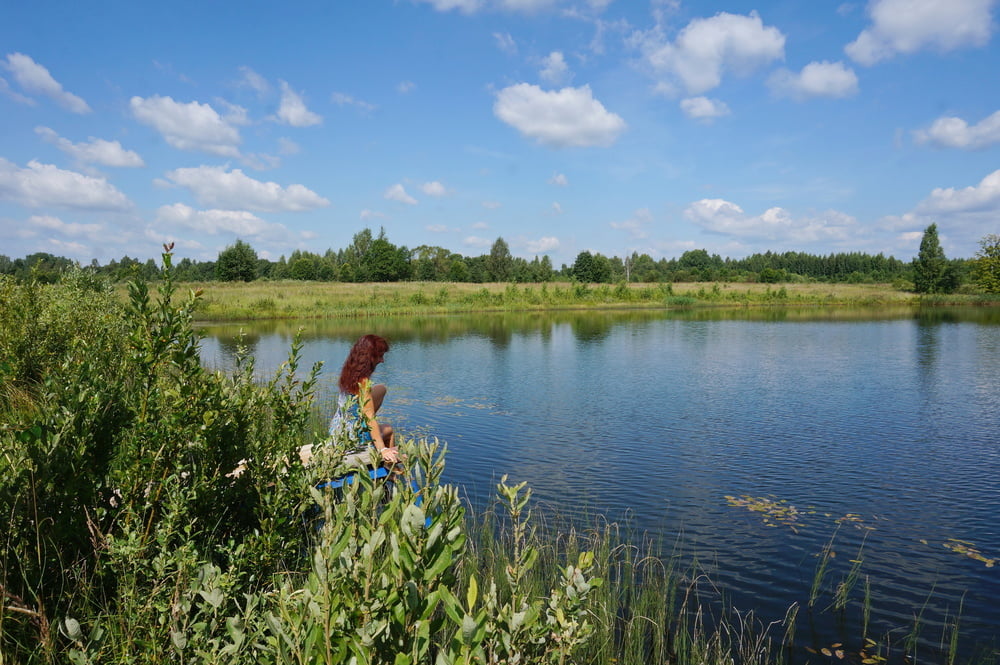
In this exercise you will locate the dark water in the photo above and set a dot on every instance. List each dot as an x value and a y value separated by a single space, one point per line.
887 422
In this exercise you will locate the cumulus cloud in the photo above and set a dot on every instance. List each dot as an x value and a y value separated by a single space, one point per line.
218 187
554 69
708 48
981 199
293 111
42 185
775 224
398 193
636 224
491 205
556 208
405 87
237 222
190 126
703 108
952 132
817 79
367 214
559 180
433 189
36 79
542 245
908 26
94 151
569 117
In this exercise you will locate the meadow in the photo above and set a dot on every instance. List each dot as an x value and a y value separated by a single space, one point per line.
261 300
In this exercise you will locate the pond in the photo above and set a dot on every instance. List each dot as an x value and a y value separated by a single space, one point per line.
747 440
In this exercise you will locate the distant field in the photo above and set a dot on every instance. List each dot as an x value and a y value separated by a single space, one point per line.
237 301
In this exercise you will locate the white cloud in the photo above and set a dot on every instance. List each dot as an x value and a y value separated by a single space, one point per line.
817 79
73 229
342 99
433 189
367 214
480 226
398 193
570 117
908 26
235 114
405 87
40 185
254 81
556 208
636 224
16 96
708 48
293 109
94 151
505 43
559 180
190 126
983 198
951 132
36 79
554 69
492 205
237 222
544 244
703 108
215 186
775 224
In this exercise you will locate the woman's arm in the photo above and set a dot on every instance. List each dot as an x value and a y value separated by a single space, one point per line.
389 454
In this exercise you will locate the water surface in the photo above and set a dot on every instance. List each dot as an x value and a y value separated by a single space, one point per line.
881 429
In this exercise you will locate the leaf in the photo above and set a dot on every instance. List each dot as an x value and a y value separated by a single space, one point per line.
825 652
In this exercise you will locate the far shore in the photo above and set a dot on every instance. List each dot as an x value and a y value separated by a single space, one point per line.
267 300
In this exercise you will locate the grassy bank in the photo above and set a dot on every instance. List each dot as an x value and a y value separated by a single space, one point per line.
229 301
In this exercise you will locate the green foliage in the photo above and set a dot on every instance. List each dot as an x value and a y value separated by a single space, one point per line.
931 271
986 265
237 263
154 507
499 263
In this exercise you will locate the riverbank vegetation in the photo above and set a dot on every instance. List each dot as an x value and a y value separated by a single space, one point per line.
127 536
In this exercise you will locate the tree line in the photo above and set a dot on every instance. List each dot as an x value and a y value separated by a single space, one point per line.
374 258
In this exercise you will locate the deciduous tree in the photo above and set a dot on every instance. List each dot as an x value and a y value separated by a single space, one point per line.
986 265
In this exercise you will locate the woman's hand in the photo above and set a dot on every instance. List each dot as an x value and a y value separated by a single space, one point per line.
390 455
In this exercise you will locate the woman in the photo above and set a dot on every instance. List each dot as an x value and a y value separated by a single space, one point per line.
360 400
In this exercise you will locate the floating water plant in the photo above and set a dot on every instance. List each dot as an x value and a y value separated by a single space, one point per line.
969 549
775 512
855 520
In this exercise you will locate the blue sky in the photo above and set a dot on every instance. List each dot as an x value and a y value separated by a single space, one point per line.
561 125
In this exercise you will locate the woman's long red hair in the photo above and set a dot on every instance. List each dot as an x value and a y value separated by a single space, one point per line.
364 357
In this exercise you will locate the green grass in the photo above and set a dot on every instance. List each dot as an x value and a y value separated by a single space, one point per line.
239 301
